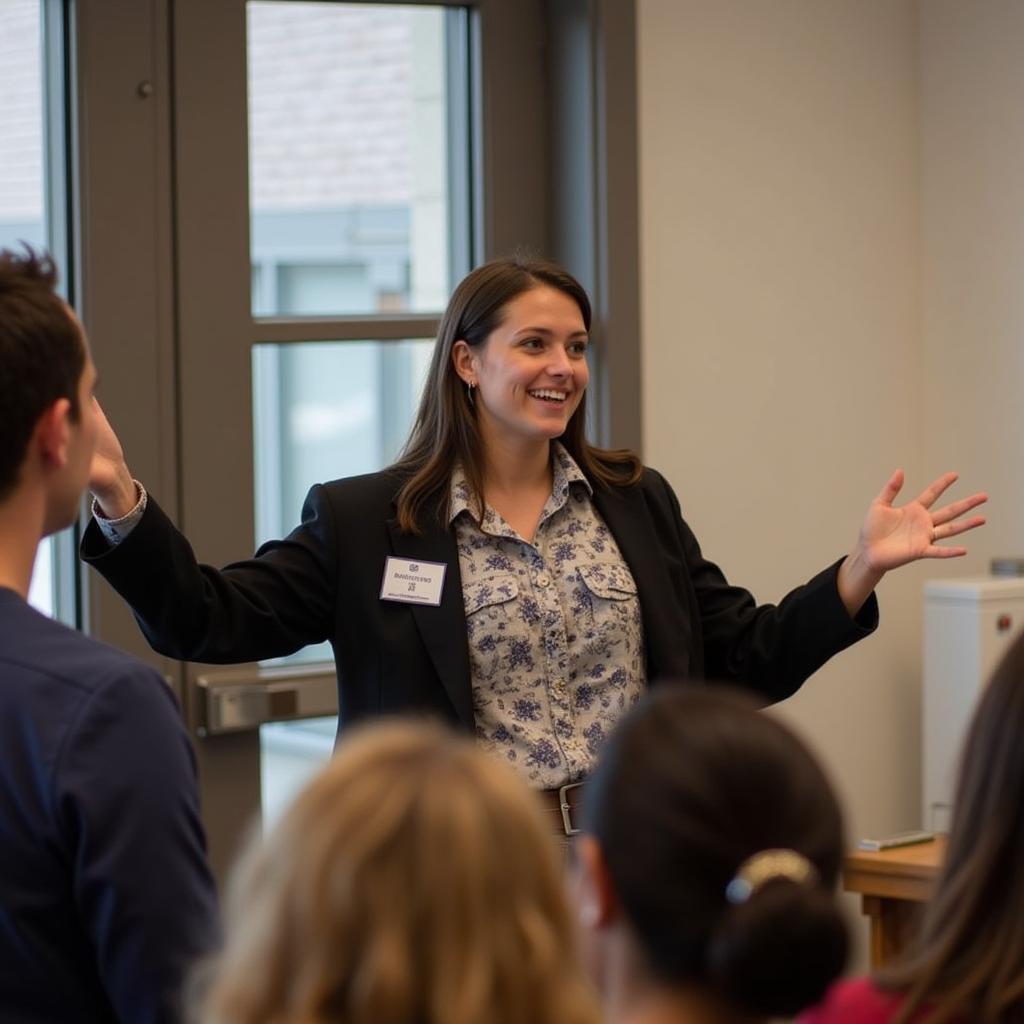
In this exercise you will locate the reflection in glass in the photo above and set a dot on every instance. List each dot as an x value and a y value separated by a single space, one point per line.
348 157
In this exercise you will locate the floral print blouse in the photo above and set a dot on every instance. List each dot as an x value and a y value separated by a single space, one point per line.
556 645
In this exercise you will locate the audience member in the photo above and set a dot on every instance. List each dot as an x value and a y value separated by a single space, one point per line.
413 882
705 876
105 895
967 962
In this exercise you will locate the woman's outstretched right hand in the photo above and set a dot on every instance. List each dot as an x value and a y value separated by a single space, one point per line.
110 481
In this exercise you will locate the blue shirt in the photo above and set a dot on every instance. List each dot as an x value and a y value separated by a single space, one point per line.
106 899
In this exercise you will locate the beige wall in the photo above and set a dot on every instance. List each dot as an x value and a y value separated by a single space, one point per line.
972 76
781 337
832 255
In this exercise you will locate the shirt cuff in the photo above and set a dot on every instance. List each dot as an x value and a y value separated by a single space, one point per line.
115 530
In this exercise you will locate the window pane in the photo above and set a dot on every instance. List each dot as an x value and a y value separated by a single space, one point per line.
31 186
21 123
291 753
349 154
41 591
324 411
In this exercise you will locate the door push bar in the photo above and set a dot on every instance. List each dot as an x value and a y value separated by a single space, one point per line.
235 701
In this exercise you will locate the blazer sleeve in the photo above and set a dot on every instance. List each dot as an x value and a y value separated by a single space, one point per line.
126 797
770 648
267 606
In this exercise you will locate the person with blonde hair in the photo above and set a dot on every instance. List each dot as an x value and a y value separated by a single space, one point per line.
413 881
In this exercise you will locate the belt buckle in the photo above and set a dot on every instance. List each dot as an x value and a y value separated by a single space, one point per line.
564 803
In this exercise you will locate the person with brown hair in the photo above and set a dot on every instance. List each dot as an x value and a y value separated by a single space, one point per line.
414 880
705 875
106 898
965 965
505 574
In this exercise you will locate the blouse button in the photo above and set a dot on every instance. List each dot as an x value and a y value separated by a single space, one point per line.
543 580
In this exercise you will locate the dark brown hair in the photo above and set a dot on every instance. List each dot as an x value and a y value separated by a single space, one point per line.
446 433
691 784
41 354
967 962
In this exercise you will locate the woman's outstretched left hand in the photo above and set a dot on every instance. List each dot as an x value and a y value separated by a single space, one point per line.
895 535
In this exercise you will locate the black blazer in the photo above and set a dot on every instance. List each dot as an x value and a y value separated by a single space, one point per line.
323 582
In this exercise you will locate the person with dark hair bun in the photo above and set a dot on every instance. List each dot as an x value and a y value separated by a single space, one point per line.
706 870
966 964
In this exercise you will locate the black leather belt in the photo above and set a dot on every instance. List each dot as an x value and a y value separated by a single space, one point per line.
565 804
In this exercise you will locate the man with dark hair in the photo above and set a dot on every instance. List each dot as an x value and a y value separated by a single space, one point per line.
106 898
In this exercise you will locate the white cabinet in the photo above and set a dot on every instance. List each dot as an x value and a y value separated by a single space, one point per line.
968 623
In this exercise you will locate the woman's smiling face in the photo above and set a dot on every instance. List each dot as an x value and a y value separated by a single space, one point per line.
531 372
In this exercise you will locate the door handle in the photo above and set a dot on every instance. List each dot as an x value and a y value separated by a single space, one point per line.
234 701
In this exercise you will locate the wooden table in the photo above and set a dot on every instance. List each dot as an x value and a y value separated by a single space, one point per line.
893 885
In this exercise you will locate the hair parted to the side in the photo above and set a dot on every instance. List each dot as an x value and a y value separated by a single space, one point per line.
413 881
41 354
445 431
692 783
967 959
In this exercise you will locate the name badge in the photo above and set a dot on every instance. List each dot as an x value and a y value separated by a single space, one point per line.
412 582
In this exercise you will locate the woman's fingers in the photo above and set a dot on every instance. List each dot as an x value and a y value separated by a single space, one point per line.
932 492
957 508
887 495
942 532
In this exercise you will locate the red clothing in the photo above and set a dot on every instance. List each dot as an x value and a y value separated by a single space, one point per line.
855 1002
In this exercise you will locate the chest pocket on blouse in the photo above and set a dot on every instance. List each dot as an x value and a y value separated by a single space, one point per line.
612 608
490 605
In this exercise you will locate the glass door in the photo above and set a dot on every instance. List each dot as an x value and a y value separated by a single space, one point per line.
327 168
350 214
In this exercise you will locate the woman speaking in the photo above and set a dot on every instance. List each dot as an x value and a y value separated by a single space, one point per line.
504 574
